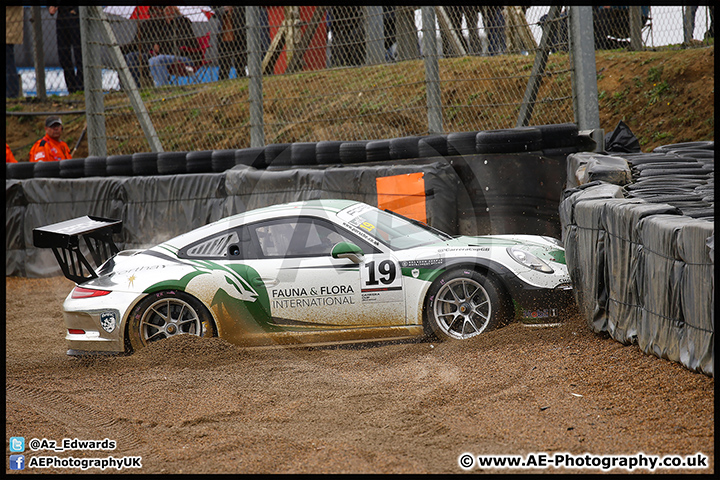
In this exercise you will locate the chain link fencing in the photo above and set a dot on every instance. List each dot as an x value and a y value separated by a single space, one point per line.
326 73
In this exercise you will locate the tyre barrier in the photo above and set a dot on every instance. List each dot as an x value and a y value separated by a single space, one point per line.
199 161
119 165
377 150
72 168
46 170
352 152
549 140
172 163
144 163
639 237
95 166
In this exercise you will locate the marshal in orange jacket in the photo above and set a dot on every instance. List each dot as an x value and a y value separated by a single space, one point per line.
48 150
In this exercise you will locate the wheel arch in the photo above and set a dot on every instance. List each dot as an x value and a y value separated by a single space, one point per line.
489 268
155 290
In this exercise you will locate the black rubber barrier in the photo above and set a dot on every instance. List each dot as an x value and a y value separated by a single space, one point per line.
641 250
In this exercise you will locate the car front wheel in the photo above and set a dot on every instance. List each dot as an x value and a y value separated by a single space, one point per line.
165 314
464 303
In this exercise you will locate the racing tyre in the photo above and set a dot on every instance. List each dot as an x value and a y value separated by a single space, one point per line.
252 157
165 314
145 163
21 169
327 152
119 165
461 143
509 140
352 152
303 153
560 135
433 146
463 303
171 163
46 169
277 156
199 161
95 166
221 160
377 150
72 168
404 147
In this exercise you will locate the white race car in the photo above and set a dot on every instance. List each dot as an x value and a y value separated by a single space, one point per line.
302 273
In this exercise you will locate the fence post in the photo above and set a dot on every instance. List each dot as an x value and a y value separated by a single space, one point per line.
432 71
128 81
635 17
92 72
39 56
375 50
536 76
585 94
255 79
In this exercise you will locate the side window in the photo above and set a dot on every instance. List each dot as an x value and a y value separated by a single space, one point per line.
301 237
212 247
237 242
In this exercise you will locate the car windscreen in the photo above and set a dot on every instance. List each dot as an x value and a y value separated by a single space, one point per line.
395 231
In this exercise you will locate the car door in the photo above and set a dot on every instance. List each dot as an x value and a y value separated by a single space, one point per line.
308 287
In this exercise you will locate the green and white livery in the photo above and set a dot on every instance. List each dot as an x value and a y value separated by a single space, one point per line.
315 272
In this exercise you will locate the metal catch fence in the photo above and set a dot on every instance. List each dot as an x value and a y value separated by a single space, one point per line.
286 74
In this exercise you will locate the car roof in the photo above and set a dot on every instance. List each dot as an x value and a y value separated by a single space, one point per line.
320 207
305 206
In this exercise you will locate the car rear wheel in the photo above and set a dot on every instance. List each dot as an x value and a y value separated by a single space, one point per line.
464 303
165 314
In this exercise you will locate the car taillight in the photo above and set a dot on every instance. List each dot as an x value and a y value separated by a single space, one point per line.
76 331
82 292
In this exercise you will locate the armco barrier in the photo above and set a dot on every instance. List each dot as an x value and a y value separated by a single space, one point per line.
640 249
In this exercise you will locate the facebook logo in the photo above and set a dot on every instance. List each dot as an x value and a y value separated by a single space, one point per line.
17 444
17 462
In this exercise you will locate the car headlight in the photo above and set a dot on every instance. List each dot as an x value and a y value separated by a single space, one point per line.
526 258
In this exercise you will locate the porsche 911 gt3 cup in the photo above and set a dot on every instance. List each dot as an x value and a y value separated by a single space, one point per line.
302 273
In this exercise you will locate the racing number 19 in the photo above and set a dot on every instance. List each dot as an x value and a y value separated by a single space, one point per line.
385 269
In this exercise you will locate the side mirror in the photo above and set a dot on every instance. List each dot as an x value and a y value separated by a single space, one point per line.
348 250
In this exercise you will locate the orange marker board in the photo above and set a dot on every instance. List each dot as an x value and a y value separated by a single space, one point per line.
404 194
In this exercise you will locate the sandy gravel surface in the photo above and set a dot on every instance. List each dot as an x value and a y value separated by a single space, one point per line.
187 405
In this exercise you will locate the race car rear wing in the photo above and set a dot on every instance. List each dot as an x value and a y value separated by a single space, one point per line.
64 239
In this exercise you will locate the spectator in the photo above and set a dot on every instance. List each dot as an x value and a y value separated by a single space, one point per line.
556 31
67 29
612 25
495 27
455 15
348 35
50 148
13 36
9 157
711 30
232 50
493 20
137 52
177 45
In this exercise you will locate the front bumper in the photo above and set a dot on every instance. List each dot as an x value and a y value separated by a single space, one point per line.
532 302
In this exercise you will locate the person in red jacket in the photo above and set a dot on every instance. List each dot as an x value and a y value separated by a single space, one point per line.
50 148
